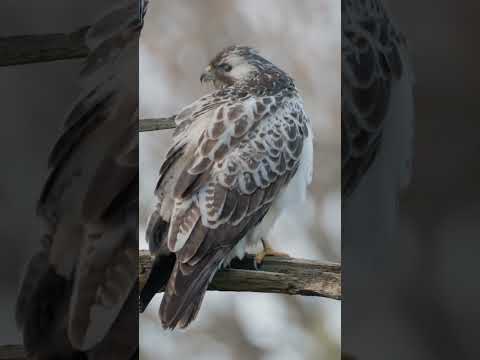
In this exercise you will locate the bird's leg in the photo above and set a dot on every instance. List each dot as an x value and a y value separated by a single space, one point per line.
267 251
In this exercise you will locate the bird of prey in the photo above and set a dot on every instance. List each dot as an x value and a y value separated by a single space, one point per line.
240 156
79 297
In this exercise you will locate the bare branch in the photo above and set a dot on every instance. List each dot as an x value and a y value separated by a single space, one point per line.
12 352
276 275
27 49
157 124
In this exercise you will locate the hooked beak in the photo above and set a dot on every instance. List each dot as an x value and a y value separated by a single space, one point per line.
207 75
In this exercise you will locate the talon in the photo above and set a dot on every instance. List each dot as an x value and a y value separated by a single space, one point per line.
259 259
267 251
256 263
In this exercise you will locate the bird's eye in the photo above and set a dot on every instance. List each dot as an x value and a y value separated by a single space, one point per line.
226 67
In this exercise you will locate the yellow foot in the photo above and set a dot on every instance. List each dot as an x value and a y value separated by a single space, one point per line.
267 251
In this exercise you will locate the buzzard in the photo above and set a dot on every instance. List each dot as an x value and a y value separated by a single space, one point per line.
79 296
240 156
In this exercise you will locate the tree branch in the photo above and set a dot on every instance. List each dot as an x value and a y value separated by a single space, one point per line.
27 49
276 275
157 124
12 352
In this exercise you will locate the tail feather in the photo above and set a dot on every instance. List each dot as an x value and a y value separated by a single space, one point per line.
191 312
157 279
44 330
35 270
121 342
185 291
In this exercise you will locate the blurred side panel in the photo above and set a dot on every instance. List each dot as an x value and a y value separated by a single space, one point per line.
409 238
70 180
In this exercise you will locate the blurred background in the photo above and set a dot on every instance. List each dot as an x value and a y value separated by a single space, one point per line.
439 295
426 306
34 100
303 38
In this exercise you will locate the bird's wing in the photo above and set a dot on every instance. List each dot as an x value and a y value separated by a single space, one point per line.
371 61
106 97
228 164
188 124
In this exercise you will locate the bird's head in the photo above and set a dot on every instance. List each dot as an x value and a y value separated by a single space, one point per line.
234 64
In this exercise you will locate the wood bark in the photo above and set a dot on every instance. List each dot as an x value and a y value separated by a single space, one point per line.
29 49
281 275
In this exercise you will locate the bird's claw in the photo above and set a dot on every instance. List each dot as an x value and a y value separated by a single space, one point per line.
267 251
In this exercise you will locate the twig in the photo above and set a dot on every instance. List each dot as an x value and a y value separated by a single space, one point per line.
276 275
157 124
12 352
27 49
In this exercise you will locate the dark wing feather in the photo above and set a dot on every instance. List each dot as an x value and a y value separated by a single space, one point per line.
371 61
116 174
106 271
